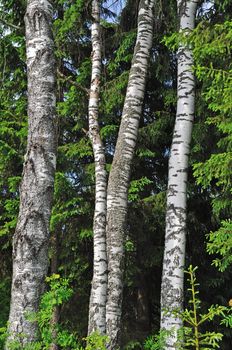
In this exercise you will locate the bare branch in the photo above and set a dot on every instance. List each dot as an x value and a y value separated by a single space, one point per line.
75 83
10 24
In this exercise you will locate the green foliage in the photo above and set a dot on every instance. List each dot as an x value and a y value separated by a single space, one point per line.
12 146
156 342
137 186
13 134
114 92
108 130
59 292
77 150
172 41
220 242
212 55
68 25
191 336
227 316
3 336
96 341
210 170
193 319
124 52
5 285
211 41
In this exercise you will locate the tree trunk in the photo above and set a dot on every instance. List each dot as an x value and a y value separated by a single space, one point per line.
142 308
175 236
97 307
120 172
31 238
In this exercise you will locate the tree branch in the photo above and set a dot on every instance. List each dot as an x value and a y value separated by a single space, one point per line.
69 79
10 24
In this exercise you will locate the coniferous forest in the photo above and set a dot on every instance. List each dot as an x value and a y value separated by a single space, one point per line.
115 174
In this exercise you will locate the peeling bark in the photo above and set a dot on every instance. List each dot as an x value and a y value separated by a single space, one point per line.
117 191
97 307
31 238
175 236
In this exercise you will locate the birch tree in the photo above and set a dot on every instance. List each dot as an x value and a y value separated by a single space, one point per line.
175 236
118 183
97 307
31 238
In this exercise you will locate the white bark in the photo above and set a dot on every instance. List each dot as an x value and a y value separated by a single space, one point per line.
120 172
175 236
31 238
97 307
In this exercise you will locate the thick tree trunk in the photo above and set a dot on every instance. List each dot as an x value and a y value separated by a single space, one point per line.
120 172
175 236
31 238
97 307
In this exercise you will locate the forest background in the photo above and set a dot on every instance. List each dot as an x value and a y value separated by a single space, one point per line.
209 184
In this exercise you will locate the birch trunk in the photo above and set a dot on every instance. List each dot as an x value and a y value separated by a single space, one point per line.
120 172
31 238
175 236
97 307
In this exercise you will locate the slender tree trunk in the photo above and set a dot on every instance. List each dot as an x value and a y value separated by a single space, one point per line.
120 172
31 238
143 312
97 307
175 236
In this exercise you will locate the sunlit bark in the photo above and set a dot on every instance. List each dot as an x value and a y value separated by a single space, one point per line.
175 236
97 306
31 238
118 183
